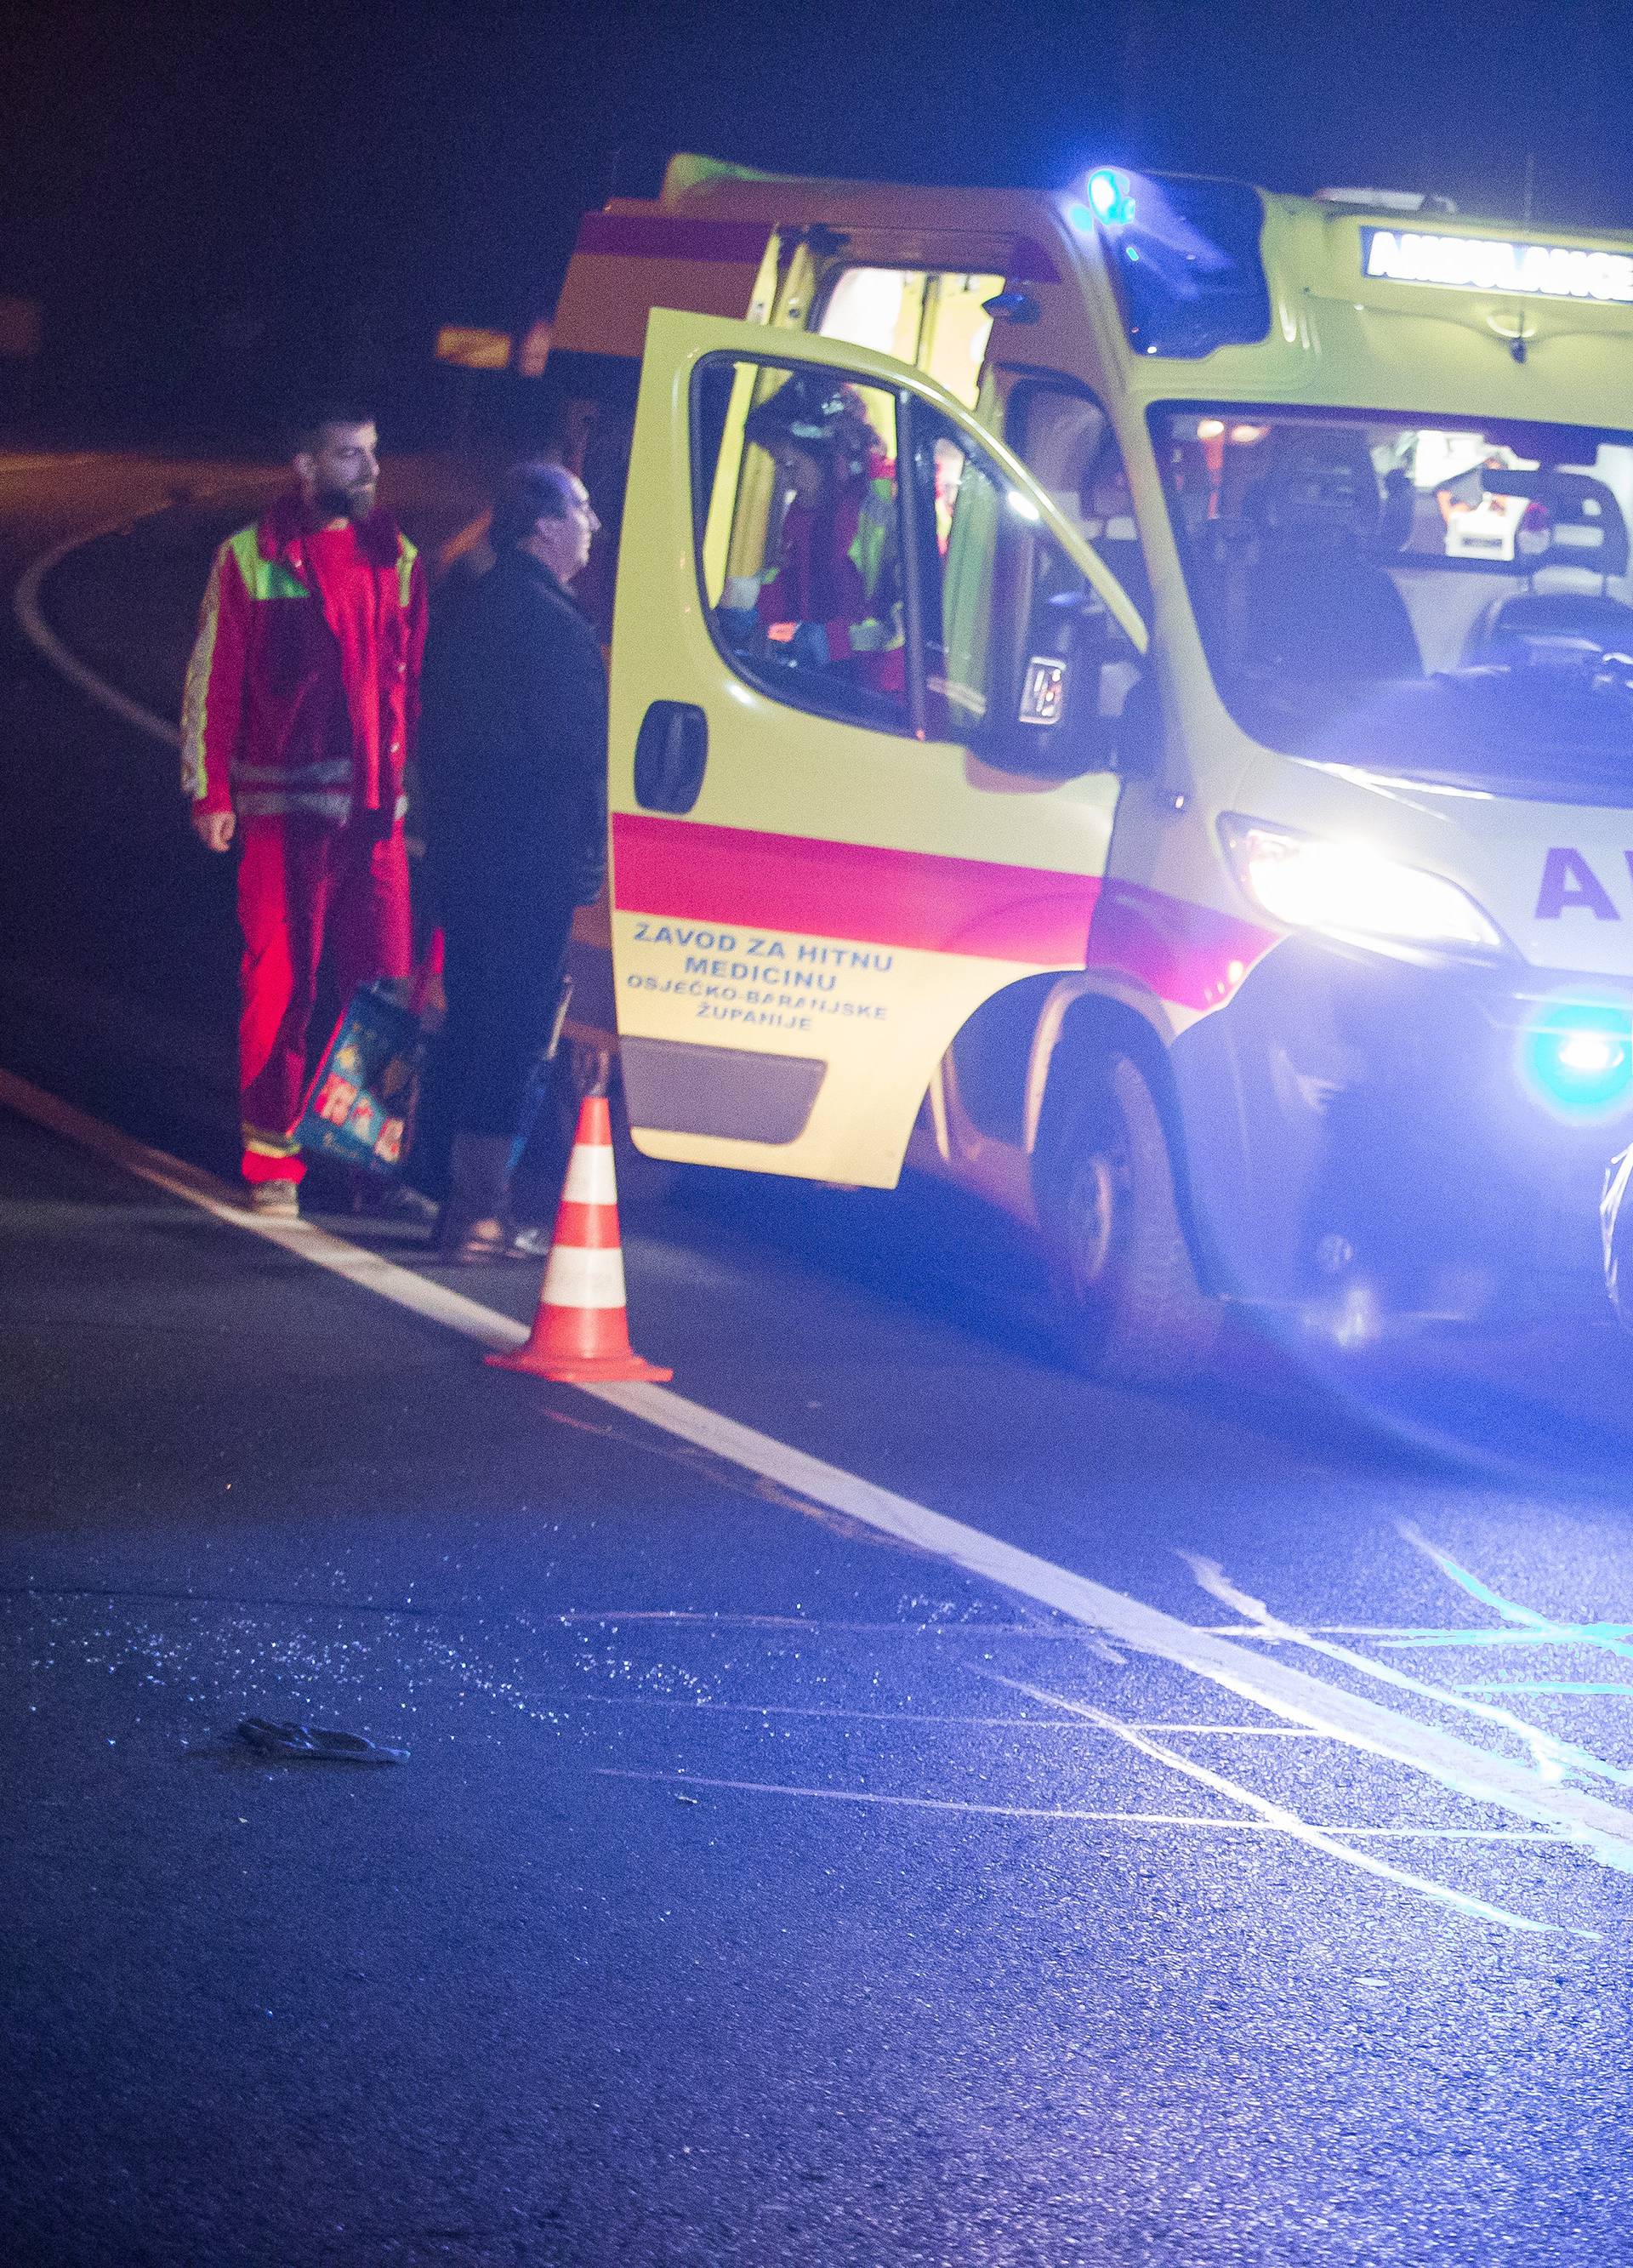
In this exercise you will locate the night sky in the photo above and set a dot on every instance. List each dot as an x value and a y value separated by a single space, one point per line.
228 174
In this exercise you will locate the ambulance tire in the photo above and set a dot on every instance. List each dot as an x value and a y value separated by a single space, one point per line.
1126 1291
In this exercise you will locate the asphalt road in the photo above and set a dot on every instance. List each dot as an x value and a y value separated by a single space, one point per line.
758 1888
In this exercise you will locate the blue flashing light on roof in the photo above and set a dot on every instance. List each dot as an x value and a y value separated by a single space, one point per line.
1111 196
1184 256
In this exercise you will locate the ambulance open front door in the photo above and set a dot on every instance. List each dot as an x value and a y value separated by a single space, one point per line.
865 684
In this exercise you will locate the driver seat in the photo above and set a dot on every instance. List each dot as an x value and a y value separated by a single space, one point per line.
1317 603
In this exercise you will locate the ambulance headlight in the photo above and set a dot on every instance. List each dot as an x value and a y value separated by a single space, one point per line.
1348 890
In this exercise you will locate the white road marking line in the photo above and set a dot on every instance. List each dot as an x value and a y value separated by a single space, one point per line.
1554 1756
932 1802
1276 1815
1242 1732
31 619
1479 1774
1076 1636
694 1706
365 1269
1462 1835
1579 1686
614 1618
1524 1622
1256 1826
1390 1633
699 1705
40 634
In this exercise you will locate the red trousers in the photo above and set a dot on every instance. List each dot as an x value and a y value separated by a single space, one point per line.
303 885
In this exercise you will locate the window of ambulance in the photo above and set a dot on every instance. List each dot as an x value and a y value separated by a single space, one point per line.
1436 598
1013 635
802 537
1064 435
914 590
934 320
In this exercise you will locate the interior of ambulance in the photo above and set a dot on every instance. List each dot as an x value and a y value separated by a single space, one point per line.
1422 595
936 322
864 556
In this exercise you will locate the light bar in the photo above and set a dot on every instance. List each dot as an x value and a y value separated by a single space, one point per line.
1483 264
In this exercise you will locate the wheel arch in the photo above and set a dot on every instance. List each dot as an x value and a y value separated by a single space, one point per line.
1081 1028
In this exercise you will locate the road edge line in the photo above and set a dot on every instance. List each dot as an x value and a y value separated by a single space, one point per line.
307 1241
1479 1775
32 622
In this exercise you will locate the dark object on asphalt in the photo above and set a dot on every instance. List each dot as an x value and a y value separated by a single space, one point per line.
279 1739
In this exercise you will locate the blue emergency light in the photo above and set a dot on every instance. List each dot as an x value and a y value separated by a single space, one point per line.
1580 1060
1183 255
1111 196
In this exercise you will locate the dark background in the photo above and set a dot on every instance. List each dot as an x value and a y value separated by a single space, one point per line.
202 196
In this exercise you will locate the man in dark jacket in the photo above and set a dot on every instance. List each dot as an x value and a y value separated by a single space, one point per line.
513 768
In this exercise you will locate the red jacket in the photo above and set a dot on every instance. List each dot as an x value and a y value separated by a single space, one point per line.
834 565
272 723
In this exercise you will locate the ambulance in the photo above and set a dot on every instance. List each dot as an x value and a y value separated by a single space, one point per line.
1123 699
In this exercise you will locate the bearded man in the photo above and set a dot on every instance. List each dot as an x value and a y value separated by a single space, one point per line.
302 699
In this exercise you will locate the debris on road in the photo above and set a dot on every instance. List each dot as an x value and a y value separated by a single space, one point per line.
280 1739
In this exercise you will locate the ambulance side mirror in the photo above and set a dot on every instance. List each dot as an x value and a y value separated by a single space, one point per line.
1071 672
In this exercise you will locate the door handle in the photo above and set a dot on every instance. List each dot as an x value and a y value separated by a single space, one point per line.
671 752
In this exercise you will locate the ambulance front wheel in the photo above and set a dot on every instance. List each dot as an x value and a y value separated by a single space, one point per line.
1128 1297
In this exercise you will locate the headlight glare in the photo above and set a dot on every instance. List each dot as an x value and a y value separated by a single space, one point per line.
1349 890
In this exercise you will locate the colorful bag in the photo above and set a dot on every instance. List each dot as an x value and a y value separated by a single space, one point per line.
360 1105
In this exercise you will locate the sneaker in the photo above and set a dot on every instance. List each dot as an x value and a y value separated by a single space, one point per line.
274 1200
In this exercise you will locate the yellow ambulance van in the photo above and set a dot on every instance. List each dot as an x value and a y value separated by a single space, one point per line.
1123 699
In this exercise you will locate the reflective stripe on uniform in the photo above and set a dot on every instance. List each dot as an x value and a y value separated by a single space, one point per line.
259 1144
264 577
296 776
195 700
269 803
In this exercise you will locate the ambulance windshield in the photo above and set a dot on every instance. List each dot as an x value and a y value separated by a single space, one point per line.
1429 597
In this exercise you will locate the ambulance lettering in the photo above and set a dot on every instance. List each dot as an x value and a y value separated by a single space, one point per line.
698 964
711 940
1570 886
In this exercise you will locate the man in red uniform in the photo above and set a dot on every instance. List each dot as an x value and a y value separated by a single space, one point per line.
301 696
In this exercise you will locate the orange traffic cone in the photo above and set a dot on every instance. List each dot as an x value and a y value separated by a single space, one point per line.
581 1332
